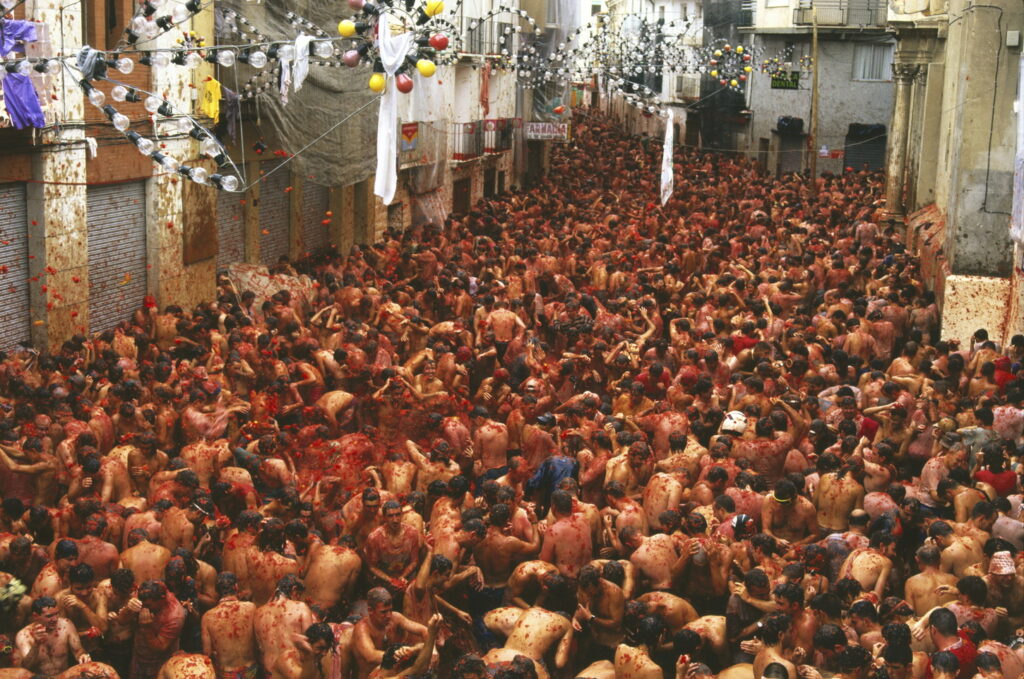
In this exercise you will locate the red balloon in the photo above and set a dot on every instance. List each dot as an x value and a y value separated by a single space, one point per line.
403 83
559 110
743 78
439 41
723 81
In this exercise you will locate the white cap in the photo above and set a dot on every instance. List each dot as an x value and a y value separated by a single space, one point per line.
735 423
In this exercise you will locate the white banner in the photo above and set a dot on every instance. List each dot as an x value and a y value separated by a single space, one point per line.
667 178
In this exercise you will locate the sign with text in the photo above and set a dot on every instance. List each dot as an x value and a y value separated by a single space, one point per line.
547 131
786 81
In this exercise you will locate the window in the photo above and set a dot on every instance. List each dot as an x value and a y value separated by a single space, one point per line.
872 62
661 13
776 3
595 9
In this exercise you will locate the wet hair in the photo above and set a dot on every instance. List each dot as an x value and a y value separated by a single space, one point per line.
439 563
945 661
775 670
81 574
944 621
854 658
974 588
775 627
561 501
828 636
66 549
614 572
828 603
289 584
649 630
377 597
789 591
122 580
42 603
320 631
227 583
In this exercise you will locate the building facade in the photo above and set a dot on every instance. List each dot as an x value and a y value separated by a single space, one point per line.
855 85
90 226
956 137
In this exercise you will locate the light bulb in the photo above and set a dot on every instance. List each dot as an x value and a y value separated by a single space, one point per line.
53 67
119 93
323 49
286 52
140 25
199 175
125 65
170 163
153 104
96 97
24 67
209 147
258 59
229 183
120 122
8 4
180 14
151 30
193 60
145 146
226 58
160 60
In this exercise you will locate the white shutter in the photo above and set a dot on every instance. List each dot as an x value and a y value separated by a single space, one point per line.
15 315
315 204
274 212
117 252
230 229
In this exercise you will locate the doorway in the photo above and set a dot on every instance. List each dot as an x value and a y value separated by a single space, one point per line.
462 195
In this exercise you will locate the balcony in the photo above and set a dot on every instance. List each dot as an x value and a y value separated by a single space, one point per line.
844 13
467 140
498 134
420 144
687 87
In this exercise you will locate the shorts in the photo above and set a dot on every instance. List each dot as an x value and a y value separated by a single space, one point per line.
481 602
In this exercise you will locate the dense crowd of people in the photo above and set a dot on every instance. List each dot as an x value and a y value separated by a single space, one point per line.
573 433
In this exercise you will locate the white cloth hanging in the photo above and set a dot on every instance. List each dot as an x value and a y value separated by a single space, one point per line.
667 174
393 50
300 69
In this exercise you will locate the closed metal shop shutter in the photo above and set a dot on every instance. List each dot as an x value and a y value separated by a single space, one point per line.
117 252
230 229
865 144
314 207
274 213
15 317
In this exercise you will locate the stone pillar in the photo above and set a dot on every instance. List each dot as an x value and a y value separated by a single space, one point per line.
896 160
58 224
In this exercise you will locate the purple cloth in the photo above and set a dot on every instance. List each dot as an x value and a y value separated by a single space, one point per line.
22 102
14 31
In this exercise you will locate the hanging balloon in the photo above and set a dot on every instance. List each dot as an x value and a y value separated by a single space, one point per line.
426 67
434 7
439 41
403 83
739 49
347 28
356 5
558 110
377 82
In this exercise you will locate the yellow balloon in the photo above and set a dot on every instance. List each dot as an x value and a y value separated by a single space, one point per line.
377 82
734 82
718 53
426 67
739 49
714 74
434 7
347 28
747 69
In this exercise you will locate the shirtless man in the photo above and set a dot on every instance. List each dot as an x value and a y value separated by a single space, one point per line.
958 552
533 632
278 622
634 662
144 558
788 517
50 641
267 564
490 444
920 590
381 624
505 324
330 574
601 608
836 495
393 550
145 459
871 566
655 556
527 581
188 666
567 542
498 552
206 459
228 632
308 659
